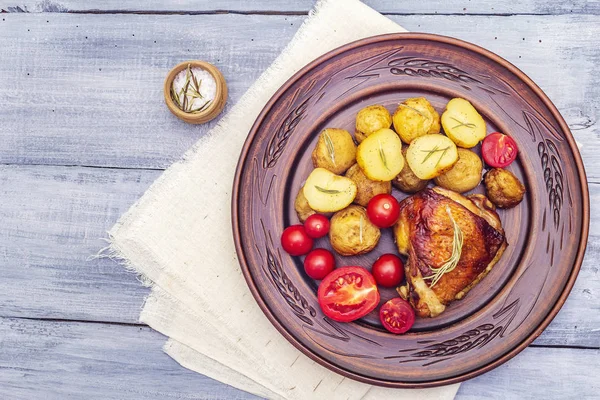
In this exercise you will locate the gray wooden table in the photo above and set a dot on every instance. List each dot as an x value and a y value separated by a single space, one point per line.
84 132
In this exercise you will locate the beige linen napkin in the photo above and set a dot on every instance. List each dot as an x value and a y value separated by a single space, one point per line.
178 238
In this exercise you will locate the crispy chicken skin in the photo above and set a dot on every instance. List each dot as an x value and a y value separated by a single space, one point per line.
425 233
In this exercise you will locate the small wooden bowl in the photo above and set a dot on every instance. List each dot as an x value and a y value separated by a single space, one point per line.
213 109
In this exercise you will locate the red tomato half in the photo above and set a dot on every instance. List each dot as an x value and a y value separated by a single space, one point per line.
388 270
348 293
397 315
383 210
295 241
316 226
319 263
499 150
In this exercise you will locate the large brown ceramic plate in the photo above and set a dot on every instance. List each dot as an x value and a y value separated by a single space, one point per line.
547 232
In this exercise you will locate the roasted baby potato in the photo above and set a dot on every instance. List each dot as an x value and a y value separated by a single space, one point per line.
366 188
465 175
352 233
328 192
431 155
335 151
406 180
380 155
462 123
302 207
503 188
371 119
415 117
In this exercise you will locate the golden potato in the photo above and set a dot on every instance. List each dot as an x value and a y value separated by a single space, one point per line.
465 175
380 155
406 180
366 188
431 155
371 119
503 188
335 151
415 117
352 233
463 124
328 192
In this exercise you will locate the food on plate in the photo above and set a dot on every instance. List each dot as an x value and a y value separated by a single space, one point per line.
380 155
451 242
295 241
348 293
431 155
462 123
328 192
383 210
503 188
465 175
319 263
316 226
406 180
371 119
335 151
415 117
352 233
388 270
302 207
366 188
397 315
499 150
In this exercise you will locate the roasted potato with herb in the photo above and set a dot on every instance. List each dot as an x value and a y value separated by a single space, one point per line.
371 119
406 180
415 117
366 188
380 155
328 192
465 175
463 124
431 155
302 207
352 233
503 188
335 151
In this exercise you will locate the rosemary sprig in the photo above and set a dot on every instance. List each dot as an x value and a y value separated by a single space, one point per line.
452 261
414 109
328 191
469 125
382 156
330 148
431 152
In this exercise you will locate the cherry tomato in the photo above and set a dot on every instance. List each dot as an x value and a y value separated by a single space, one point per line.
383 210
319 263
388 270
397 315
316 226
348 293
499 150
295 241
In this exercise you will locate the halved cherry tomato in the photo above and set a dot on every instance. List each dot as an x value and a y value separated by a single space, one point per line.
383 210
319 263
316 226
499 150
348 293
388 270
295 241
397 315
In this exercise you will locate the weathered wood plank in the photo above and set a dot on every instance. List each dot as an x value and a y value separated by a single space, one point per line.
101 361
53 219
384 6
86 89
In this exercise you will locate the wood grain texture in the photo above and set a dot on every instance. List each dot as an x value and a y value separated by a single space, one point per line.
53 219
99 361
302 6
89 68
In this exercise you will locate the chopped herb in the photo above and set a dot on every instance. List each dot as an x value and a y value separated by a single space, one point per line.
414 109
382 156
466 124
328 191
431 152
330 148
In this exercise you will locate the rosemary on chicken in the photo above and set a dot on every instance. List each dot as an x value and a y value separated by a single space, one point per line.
187 95
452 261
382 156
328 191
469 125
330 148
431 152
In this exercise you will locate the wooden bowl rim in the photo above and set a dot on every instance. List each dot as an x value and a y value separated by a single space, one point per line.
580 172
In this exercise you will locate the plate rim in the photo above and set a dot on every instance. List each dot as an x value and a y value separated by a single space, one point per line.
547 103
